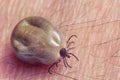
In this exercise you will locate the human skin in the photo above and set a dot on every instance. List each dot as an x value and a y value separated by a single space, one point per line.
95 22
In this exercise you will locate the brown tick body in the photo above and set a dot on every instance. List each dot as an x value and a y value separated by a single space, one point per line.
35 40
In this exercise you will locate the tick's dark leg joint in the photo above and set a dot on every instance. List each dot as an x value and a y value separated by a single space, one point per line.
68 56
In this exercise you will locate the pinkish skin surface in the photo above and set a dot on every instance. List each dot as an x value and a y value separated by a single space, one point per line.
97 46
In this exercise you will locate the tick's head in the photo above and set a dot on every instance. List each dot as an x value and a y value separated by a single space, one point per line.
63 53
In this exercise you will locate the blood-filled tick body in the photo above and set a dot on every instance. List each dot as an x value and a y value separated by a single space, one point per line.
35 40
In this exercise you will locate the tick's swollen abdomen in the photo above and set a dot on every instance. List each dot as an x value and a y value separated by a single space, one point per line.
35 40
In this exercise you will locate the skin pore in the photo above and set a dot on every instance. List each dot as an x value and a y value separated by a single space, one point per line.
96 24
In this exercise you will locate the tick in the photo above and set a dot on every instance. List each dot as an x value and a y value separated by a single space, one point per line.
35 40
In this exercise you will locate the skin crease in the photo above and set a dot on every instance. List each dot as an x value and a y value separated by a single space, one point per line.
97 46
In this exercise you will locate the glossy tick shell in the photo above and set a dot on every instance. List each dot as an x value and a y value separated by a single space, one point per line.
35 40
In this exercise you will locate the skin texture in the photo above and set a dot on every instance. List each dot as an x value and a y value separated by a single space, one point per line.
95 22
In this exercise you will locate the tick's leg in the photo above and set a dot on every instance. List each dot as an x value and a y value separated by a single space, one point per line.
74 56
67 63
57 63
64 63
71 37
49 69
68 45
70 48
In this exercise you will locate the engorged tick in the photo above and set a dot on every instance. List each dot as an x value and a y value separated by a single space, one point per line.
35 41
